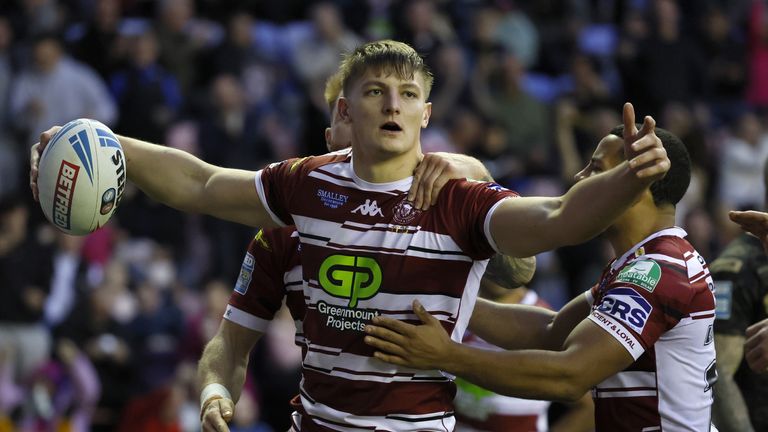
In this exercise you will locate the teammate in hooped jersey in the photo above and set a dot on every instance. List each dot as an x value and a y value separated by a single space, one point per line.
356 264
646 345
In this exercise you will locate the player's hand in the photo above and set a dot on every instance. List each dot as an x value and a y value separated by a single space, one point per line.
434 171
424 346
753 222
34 158
216 414
756 346
643 149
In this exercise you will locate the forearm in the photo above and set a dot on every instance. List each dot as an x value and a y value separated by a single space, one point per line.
524 326
581 216
170 176
565 321
225 361
543 375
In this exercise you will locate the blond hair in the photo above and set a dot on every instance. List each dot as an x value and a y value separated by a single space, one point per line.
387 56
333 89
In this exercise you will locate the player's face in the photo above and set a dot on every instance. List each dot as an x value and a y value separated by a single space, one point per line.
608 154
339 135
385 113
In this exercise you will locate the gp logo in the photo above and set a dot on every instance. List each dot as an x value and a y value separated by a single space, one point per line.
349 276
628 306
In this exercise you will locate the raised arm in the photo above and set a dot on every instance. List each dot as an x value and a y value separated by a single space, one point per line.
224 363
526 327
527 226
182 181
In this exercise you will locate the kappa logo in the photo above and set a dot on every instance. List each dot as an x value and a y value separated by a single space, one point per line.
644 273
369 209
350 277
628 306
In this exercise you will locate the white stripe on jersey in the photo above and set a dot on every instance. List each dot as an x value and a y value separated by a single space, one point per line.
245 319
436 422
650 429
617 329
468 299
291 276
363 368
624 394
666 258
487 224
347 170
629 379
378 236
263 198
386 303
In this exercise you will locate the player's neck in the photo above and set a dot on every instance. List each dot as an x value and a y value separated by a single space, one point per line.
385 168
635 226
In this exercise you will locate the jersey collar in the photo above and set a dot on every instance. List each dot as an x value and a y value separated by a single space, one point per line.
673 231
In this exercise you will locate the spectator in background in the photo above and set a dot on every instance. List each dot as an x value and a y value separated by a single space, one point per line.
741 165
25 274
55 89
422 26
10 156
147 94
741 281
757 88
497 90
178 47
101 46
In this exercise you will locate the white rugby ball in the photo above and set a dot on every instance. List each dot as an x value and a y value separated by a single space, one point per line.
81 176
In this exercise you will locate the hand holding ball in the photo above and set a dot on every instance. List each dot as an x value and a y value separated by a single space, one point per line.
81 176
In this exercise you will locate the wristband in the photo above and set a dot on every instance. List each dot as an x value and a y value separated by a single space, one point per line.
211 391
590 297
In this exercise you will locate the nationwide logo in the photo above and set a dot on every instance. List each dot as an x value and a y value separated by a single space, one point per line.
332 199
350 277
369 209
644 273
62 197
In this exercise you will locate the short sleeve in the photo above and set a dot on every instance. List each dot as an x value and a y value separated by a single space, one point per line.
260 289
643 301
276 185
466 207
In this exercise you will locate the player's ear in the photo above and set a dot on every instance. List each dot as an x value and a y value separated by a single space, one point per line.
343 109
427 114
328 138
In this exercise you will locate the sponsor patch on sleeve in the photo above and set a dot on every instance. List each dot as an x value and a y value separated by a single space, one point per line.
723 299
246 274
643 273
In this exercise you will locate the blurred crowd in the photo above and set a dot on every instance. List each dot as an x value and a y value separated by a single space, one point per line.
103 332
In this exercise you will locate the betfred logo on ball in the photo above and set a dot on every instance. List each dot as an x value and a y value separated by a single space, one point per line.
62 200
82 175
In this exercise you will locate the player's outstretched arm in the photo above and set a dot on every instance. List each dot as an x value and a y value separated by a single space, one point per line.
434 171
756 346
527 226
515 327
589 356
753 222
221 373
182 181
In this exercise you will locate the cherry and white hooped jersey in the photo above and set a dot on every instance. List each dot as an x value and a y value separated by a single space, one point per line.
481 410
658 301
366 251
269 274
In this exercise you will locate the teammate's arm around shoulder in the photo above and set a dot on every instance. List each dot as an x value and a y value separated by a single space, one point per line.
527 226
182 181
221 373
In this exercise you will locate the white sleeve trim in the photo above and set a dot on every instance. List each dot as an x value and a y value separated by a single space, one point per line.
245 319
263 197
487 224
616 329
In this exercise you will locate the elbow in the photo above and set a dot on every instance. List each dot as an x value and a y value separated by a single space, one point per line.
571 386
571 392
